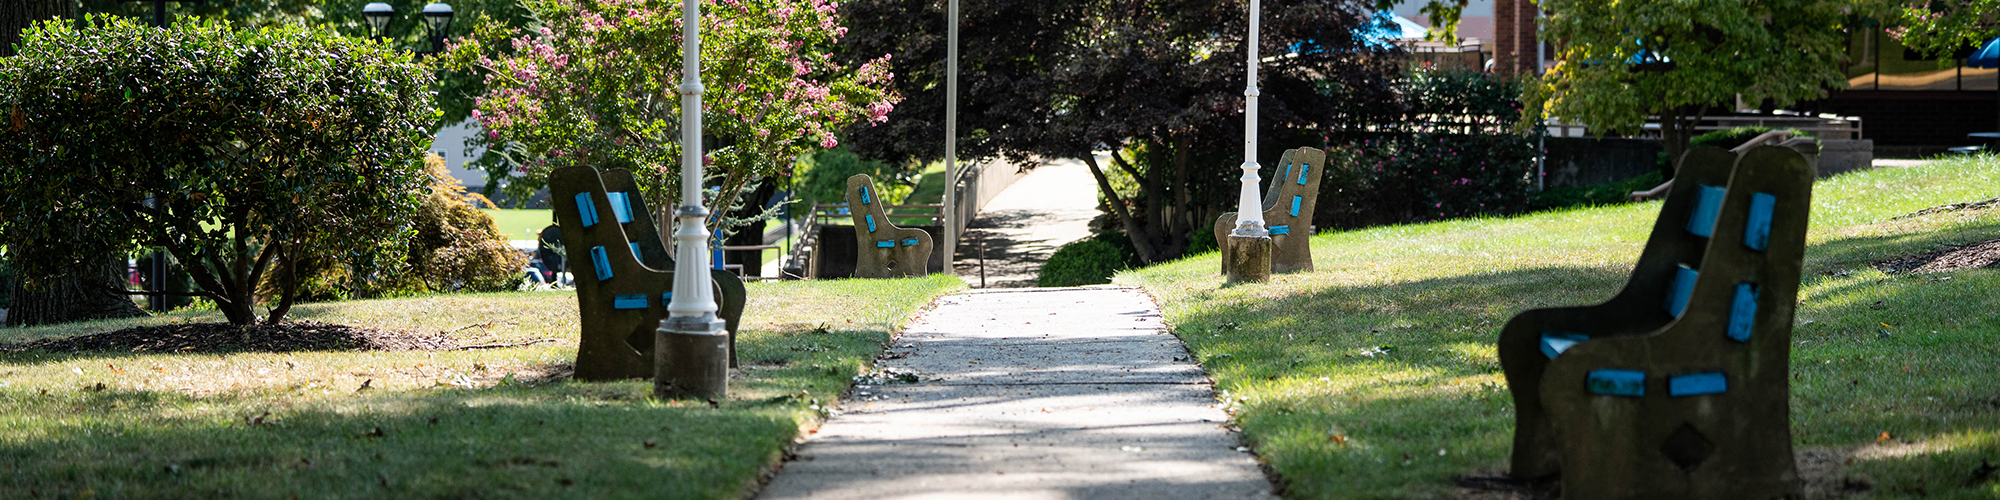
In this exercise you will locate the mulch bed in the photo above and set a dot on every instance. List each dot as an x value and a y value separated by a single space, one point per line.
1952 258
224 337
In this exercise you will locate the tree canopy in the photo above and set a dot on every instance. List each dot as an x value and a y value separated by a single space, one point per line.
1158 82
596 85
1614 60
231 148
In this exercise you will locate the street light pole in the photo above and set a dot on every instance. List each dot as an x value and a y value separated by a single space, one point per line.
1249 256
951 214
691 347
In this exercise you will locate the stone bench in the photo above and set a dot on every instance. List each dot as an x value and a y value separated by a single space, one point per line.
882 249
1677 387
1288 211
623 273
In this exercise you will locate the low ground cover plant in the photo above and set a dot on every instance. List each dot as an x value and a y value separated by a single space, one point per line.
1376 375
489 415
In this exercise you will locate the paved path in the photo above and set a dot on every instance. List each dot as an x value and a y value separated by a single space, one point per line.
1049 393
1019 229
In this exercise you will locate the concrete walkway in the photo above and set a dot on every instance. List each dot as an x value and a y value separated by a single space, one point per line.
1019 229
1051 393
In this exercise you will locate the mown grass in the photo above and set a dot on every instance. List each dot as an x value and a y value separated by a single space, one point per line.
1376 375
488 423
520 223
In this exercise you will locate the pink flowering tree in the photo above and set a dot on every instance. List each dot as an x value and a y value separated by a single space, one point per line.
597 84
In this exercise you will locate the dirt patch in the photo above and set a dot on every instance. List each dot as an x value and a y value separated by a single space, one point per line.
1951 258
223 337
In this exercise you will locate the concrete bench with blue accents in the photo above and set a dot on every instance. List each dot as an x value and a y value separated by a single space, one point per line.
1677 387
623 271
884 250
1288 211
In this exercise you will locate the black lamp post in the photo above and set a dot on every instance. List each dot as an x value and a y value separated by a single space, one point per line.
437 22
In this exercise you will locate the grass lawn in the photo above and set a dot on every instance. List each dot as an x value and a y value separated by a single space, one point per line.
1376 375
488 423
520 223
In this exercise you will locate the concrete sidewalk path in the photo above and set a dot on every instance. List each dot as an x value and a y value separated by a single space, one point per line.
1050 393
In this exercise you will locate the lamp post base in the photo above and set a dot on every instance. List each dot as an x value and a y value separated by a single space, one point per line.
691 358
1247 259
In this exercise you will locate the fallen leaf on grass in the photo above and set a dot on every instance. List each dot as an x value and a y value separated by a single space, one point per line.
1883 437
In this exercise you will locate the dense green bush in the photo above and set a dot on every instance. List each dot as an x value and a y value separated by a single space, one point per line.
1726 139
1089 261
1449 152
231 148
451 247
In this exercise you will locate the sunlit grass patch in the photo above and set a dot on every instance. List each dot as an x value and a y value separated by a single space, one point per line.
1375 376
425 424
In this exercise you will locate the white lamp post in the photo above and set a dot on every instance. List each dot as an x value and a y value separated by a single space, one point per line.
1248 259
951 173
691 348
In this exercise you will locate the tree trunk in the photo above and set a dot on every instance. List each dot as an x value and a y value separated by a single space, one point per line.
94 293
22 13
1140 239
1676 130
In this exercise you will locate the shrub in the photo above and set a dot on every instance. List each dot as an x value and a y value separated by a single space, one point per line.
1449 153
452 247
1726 139
1089 261
232 148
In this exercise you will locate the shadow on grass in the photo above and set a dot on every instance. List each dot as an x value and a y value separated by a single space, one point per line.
1392 390
564 440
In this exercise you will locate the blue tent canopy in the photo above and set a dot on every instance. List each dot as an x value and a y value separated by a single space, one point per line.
1988 56
1387 27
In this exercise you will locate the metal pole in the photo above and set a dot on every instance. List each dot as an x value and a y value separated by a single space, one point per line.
1249 259
685 362
951 214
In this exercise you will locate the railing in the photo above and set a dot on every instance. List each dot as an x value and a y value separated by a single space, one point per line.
1824 126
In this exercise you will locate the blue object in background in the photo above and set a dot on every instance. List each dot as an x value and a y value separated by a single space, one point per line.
1988 56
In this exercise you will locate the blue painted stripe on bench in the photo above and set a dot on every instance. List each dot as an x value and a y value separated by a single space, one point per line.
1757 230
1288 173
1302 173
864 195
633 301
871 221
1295 204
1617 383
885 244
621 206
665 298
1681 290
1707 207
635 249
1743 312
586 209
1554 343
910 242
1277 230
601 262
1696 384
